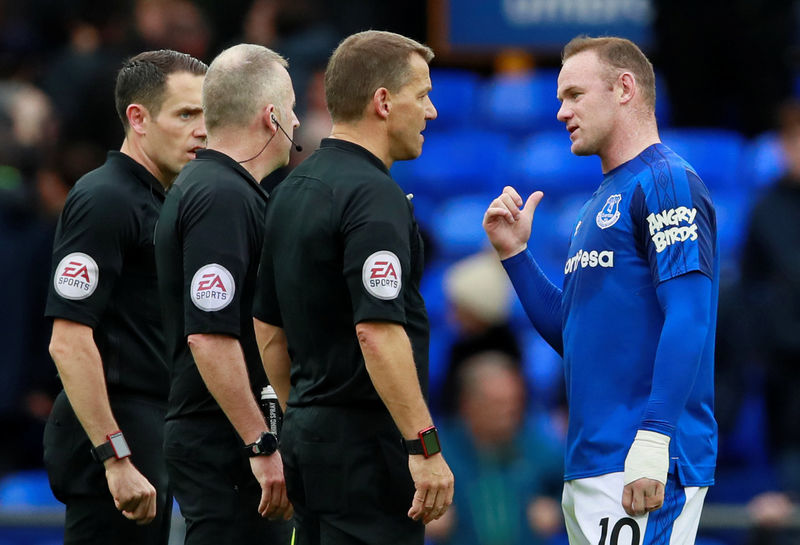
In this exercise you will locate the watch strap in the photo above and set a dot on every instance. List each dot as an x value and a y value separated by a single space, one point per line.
427 443
413 446
103 452
265 445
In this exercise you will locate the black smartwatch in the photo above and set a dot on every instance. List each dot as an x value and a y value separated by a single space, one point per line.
264 445
115 447
427 444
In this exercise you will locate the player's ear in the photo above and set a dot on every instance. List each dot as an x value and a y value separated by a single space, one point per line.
270 118
627 87
137 118
382 102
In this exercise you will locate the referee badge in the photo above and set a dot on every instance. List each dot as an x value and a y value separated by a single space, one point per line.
381 275
76 276
212 288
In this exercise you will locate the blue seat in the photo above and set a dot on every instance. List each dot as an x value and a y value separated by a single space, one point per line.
521 103
454 95
733 209
663 103
458 225
543 368
456 163
432 289
27 490
764 160
715 154
544 162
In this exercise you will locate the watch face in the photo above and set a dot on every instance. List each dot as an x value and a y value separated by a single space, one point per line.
430 442
120 446
267 443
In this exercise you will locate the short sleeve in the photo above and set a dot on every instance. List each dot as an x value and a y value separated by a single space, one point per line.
676 224
95 227
376 226
216 250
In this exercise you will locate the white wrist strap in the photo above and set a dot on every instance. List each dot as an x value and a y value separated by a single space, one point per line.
648 457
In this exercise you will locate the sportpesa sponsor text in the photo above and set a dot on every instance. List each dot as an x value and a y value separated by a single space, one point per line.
591 258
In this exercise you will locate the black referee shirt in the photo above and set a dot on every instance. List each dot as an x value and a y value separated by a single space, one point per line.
341 247
104 273
208 242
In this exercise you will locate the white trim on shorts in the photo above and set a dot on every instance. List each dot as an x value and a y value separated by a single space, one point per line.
594 515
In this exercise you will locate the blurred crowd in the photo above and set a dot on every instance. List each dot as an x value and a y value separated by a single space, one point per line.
503 430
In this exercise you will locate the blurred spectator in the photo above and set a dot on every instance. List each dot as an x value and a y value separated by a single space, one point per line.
28 385
59 172
771 278
316 123
171 24
509 472
27 126
478 293
24 361
771 512
771 282
296 30
77 76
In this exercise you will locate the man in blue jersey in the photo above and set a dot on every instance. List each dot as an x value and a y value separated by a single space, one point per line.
635 320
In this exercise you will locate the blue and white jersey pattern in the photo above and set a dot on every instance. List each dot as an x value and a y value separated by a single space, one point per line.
649 221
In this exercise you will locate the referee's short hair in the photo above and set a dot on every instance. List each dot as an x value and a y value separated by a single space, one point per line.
143 79
239 82
363 63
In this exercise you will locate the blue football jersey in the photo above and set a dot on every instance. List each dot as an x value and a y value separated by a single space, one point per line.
650 220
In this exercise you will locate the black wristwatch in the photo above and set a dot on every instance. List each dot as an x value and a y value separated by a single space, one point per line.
114 447
264 445
427 444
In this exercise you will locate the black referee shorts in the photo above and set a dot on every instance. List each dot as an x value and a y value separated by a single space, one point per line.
347 477
79 481
214 485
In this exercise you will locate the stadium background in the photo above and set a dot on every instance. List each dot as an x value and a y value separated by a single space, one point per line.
723 68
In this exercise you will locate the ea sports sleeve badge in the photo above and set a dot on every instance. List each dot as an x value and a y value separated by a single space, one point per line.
76 276
382 275
212 288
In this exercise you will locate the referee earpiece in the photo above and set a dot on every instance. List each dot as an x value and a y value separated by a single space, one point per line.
298 147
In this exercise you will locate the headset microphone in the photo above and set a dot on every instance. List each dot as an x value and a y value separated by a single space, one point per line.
297 147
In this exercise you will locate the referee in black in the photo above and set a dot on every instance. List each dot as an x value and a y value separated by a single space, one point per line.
339 292
103 440
221 457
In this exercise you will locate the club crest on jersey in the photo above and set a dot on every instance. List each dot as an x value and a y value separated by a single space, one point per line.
609 214
212 288
382 275
76 276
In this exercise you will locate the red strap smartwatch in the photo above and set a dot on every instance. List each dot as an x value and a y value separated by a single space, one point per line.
114 447
427 444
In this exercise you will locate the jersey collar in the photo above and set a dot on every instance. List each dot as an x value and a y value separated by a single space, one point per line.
137 169
218 156
354 148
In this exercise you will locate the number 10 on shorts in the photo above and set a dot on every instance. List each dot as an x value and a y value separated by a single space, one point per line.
629 537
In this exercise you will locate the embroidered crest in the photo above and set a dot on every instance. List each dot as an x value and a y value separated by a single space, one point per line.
609 214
